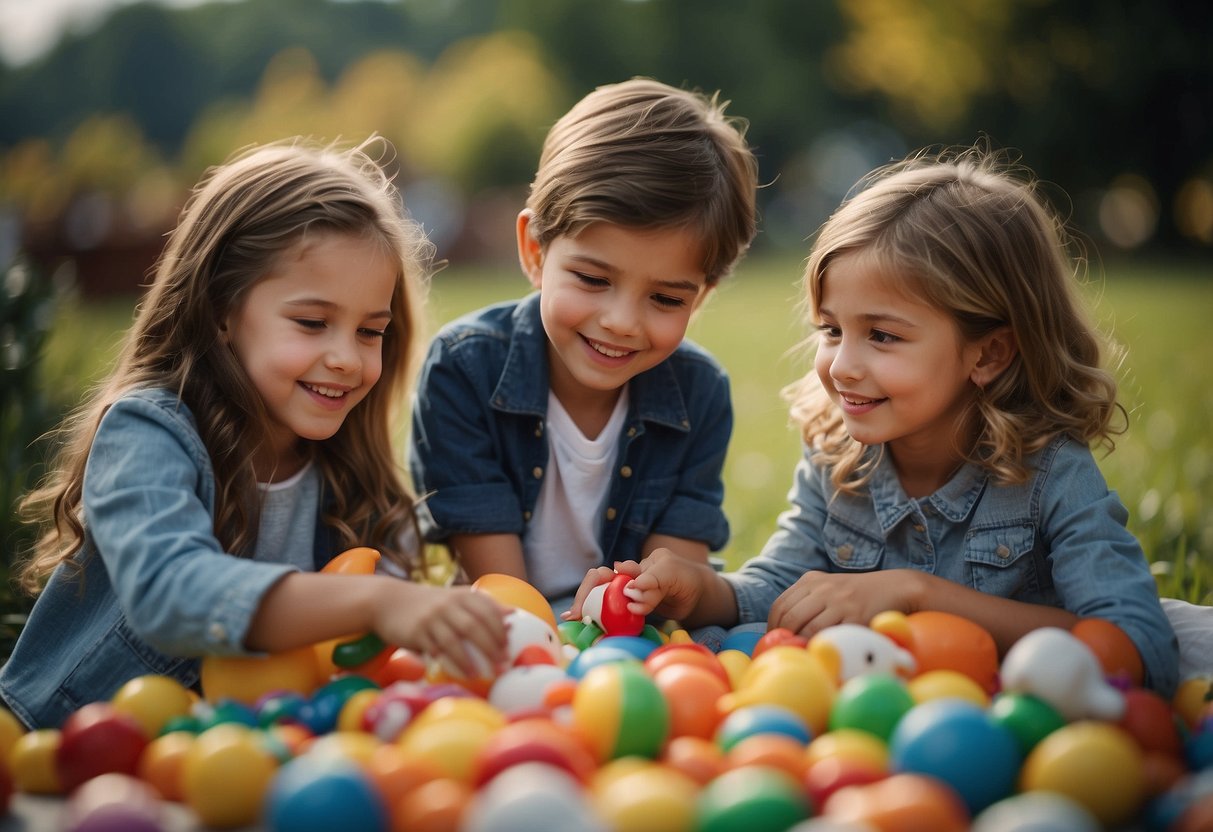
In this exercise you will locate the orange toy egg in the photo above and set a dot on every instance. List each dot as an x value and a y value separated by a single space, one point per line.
942 641
1116 652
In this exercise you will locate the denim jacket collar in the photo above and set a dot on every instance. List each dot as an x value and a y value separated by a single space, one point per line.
954 500
655 394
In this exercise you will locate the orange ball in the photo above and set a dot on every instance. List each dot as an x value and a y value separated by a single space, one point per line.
162 762
436 806
900 803
772 750
699 759
943 641
1116 652
693 694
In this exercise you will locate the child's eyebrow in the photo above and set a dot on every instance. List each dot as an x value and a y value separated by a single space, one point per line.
683 285
328 304
873 317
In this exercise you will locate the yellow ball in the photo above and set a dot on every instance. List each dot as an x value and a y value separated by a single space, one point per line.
152 701
736 663
448 745
248 678
1096 764
850 744
31 762
11 730
641 796
947 684
356 746
461 707
225 776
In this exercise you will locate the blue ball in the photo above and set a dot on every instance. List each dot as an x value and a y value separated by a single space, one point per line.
591 657
638 646
743 638
320 794
750 720
959 743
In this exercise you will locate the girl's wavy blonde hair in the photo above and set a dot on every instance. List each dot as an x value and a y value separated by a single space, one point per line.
241 217
970 234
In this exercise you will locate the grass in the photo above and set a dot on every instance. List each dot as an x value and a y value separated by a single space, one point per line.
1162 467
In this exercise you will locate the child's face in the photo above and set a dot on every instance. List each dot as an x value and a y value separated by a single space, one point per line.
310 336
615 302
898 369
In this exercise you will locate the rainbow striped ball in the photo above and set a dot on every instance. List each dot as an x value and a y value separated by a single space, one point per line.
621 711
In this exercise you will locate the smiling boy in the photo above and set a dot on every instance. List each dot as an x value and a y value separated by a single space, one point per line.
577 427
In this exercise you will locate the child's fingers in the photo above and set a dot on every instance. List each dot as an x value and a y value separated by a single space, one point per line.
596 576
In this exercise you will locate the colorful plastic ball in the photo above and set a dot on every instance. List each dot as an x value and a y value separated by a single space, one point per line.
533 740
1096 764
595 656
535 797
352 746
770 750
873 702
1036 812
1029 718
825 776
958 743
850 744
1198 750
1116 652
324 793
278 706
900 803
735 664
693 695
114 803
946 684
226 774
321 712
687 654
437 806
461 707
779 636
620 710
524 689
699 759
401 666
31 762
10 730
515 592
393 773
761 719
644 798
152 701
226 710
790 677
189 723
755 798
449 745
943 641
162 762
351 716
1192 697
98 739
1149 720
638 646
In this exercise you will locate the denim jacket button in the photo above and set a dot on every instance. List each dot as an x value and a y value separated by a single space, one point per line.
920 528
526 515
610 514
1003 552
845 551
631 431
537 472
217 632
625 471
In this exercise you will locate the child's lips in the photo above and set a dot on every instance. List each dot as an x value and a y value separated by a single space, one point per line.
854 404
610 351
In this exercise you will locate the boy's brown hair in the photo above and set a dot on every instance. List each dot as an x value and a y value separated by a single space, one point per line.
643 154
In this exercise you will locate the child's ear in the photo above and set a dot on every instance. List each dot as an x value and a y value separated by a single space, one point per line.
530 253
998 349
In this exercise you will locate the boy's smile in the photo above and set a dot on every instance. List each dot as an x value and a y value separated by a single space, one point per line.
616 301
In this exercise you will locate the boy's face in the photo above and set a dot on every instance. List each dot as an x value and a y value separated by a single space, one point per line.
615 301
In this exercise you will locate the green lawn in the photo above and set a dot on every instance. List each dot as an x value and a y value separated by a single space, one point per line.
1162 468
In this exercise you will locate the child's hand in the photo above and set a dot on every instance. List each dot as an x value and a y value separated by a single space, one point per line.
668 584
596 576
822 599
446 622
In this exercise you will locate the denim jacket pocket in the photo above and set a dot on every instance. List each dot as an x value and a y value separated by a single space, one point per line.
118 656
647 501
850 550
1000 561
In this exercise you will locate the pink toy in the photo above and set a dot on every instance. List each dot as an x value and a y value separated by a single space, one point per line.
1053 665
607 608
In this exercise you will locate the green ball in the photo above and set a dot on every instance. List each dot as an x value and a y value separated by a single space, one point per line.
753 798
1028 718
873 702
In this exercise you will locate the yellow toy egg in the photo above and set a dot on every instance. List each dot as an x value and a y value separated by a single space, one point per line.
450 746
31 762
247 678
225 776
641 796
946 684
152 701
1096 764
515 592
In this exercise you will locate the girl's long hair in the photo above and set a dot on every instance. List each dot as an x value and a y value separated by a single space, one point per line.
969 234
241 217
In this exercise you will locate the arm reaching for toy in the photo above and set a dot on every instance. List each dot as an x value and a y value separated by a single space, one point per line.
670 585
305 608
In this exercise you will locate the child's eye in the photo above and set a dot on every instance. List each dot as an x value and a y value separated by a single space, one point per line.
591 281
829 331
369 332
669 301
310 323
881 337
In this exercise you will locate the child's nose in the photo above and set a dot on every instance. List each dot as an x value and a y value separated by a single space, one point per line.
845 366
620 317
343 354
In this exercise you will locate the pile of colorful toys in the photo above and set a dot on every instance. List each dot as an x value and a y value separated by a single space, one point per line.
910 723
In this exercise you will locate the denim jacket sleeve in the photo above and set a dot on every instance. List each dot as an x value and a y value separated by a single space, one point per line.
1099 569
457 450
148 502
796 546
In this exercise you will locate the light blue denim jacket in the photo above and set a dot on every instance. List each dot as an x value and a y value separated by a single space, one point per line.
158 589
480 449
1058 539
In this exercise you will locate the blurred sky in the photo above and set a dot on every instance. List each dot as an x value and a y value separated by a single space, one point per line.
30 27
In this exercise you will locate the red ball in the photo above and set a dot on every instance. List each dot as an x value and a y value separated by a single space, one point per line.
97 739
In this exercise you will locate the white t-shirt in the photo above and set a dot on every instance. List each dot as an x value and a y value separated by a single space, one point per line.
560 543
287 530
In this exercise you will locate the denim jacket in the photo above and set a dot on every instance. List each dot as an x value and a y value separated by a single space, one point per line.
480 450
1057 539
158 590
